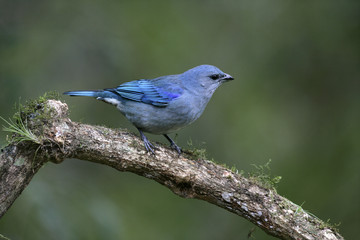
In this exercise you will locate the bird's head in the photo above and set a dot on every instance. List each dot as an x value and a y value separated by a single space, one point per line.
205 77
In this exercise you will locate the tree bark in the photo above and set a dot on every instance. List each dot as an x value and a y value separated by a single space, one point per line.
185 175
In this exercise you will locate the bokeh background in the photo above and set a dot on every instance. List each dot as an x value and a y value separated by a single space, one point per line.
295 100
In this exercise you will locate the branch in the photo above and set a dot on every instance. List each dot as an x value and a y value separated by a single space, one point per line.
60 138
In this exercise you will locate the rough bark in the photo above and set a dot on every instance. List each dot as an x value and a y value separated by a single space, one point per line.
186 176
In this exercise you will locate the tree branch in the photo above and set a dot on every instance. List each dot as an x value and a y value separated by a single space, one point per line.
60 138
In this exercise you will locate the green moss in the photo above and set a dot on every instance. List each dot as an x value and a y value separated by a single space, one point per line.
262 176
322 225
31 108
195 153
30 115
299 210
234 169
332 226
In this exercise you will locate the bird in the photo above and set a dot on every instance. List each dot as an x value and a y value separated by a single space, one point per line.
164 104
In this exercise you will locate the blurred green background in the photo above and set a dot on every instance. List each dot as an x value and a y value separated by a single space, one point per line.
295 100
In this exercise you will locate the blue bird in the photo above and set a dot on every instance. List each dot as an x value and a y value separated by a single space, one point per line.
165 104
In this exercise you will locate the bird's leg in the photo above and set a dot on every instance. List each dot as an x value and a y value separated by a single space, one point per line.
173 144
148 146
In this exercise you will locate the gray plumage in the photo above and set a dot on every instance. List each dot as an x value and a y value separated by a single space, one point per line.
165 104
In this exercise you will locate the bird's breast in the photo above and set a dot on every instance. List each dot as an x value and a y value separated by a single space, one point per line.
161 120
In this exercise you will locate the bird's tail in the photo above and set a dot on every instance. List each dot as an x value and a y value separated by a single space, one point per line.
95 93
104 95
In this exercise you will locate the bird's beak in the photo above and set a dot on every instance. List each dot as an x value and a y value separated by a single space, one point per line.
227 77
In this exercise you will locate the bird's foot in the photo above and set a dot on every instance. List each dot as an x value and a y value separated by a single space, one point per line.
176 147
173 144
147 144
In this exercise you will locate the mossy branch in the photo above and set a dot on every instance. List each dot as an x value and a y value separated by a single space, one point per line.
44 133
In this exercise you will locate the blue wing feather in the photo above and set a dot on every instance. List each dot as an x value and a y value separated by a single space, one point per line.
151 92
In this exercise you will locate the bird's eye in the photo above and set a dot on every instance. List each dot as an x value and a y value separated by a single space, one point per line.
215 76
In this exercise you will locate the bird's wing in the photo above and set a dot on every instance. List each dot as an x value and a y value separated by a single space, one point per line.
156 93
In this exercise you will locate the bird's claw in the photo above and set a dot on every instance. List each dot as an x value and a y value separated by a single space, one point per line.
173 144
149 146
176 147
